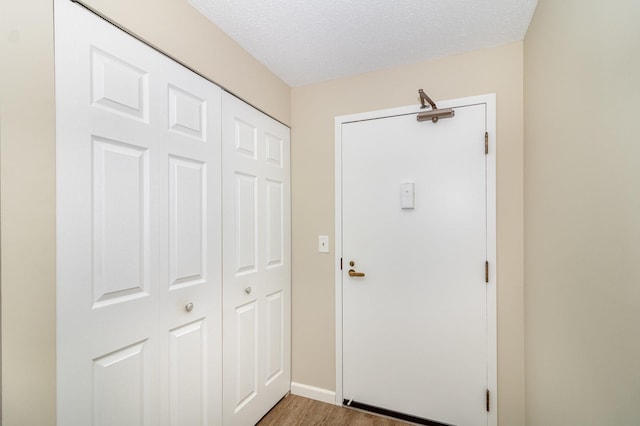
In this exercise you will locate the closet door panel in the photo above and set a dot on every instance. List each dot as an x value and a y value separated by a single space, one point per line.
107 295
187 110
138 231
256 262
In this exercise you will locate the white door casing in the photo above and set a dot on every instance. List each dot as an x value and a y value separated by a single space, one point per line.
138 231
256 262
398 334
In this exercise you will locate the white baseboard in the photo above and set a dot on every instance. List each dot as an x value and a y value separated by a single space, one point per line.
313 392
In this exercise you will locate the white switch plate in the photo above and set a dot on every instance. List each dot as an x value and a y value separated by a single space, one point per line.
408 195
323 244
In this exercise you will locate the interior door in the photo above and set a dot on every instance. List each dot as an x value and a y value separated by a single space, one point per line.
190 252
138 231
414 229
256 263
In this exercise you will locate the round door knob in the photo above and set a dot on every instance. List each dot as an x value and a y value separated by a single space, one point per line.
247 290
188 307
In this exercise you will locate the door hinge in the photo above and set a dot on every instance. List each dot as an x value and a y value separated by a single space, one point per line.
488 401
486 143
486 271
341 264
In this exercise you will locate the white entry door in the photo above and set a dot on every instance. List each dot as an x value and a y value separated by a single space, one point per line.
415 223
138 232
256 262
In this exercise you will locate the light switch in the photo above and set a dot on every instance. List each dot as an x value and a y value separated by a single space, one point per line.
323 244
408 195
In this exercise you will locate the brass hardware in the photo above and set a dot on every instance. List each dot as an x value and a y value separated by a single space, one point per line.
486 272
488 401
353 272
424 97
486 142
434 114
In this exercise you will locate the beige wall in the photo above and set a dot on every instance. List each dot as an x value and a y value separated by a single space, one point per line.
27 209
582 197
27 168
582 213
314 108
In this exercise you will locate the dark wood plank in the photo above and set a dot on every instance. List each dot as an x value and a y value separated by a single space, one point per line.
295 410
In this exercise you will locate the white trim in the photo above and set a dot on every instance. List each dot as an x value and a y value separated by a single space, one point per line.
338 259
492 232
488 99
492 352
312 392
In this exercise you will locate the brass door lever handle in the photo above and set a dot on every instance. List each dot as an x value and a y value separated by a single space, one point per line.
353 273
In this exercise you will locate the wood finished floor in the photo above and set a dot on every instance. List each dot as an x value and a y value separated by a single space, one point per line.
295 410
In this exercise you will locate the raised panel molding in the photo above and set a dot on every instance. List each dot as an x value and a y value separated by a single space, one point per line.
246 139
119 86
247 356
120 221
245 223
187 382
187 221
275 225
187 113
275 336
273 150
118 387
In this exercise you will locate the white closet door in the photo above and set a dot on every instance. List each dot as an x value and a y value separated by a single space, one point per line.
190 248
256 262
138 232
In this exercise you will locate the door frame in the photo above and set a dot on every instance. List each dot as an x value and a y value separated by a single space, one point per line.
489 100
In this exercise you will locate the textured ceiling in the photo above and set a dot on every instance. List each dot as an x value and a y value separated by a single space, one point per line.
305 42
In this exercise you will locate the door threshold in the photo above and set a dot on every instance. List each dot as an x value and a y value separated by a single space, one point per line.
393 414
